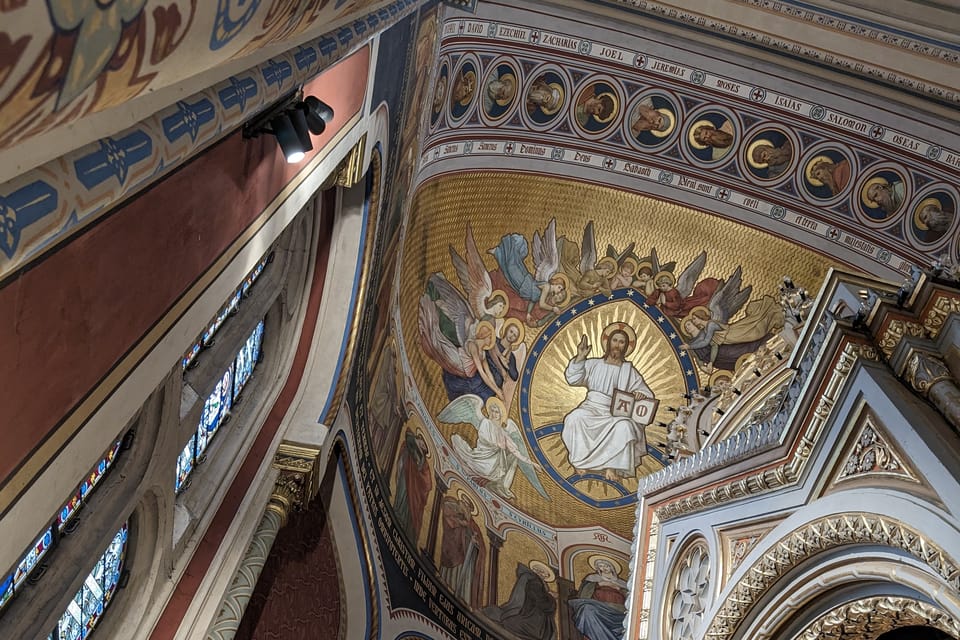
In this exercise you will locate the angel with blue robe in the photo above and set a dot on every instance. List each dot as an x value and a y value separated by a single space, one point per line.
500 449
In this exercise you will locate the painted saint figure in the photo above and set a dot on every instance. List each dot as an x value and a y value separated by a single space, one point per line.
545 96
462 550
646 117
599 608
776 160
594 438
884 195
500 92
529 612
596 107
414 482
823 171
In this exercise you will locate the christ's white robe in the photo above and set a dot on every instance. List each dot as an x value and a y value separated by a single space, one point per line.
594 439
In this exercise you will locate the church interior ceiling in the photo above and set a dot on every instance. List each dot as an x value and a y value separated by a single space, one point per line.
578 199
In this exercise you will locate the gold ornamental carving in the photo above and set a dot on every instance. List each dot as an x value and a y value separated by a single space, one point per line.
350 171
817 537
896 331
868 618
788 472
924 370
287 496
940 310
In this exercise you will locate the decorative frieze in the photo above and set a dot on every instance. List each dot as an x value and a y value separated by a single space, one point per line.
868 618
815 538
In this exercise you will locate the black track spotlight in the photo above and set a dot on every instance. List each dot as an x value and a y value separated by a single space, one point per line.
318 113
299 121
290 144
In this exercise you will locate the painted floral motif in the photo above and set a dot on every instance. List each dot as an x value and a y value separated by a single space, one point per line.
98 24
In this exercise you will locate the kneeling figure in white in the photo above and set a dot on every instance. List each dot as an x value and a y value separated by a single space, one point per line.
595 439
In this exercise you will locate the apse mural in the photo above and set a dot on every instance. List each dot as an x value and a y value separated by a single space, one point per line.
529 382
543 338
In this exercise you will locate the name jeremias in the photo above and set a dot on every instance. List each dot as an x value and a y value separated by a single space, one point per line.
672 69
561 42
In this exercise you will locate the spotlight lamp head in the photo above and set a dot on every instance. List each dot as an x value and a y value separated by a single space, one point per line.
318 114
282 127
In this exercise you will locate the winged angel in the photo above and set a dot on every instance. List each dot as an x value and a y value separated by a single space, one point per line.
480 352
718 342
534 297
500 449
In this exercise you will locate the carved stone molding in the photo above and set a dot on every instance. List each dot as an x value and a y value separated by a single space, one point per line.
869 618
817 537
873 455
789 471
690 596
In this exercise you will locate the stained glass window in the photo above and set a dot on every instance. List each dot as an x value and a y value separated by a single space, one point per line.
12 582
218 404
214 411
228 308
87 607
247 359
185 463
87 486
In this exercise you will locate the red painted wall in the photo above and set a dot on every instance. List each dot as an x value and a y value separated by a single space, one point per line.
67 320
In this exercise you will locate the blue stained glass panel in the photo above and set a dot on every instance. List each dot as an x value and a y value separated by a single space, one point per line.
71 622
191 354
215 409
86 608
6 591
33 557
87 486
247 359
250 279
185 463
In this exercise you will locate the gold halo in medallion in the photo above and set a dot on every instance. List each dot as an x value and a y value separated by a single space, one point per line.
696 125
916 212
753 145
808 170
867 202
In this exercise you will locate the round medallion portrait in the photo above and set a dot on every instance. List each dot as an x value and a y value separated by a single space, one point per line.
597 107
595 394
440 93
652 120
711 136
934 216
770 154
463 89
827 174
500 88
882 195
545 97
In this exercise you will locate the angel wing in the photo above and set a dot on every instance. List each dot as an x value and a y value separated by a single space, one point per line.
456 317
691 275
465 409
437 345
526 465
729 298
588 249
546 258
655 265
473 275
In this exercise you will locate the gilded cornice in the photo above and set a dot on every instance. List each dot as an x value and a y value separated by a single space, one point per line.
815 538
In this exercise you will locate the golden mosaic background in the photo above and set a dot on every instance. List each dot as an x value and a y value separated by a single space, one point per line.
497 203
